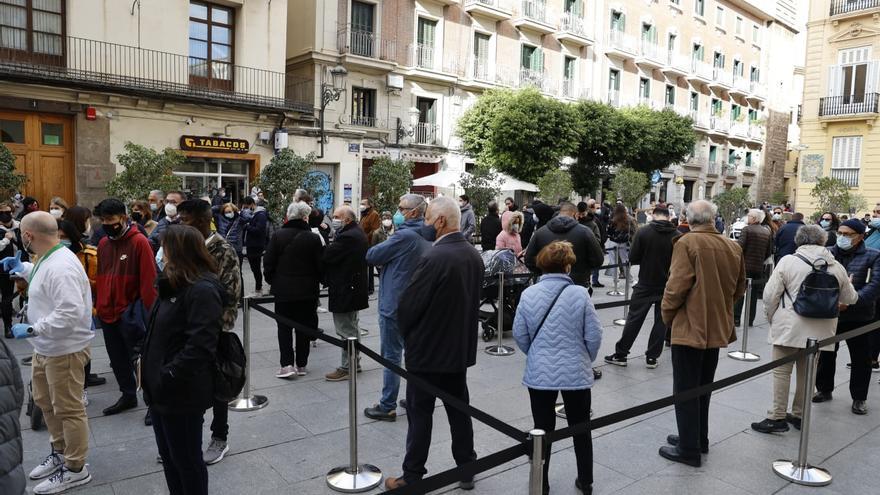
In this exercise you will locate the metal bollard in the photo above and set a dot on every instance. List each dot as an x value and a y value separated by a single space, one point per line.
743 354
800 471
500 349
247 402
536 473
616 291
627 286
354 477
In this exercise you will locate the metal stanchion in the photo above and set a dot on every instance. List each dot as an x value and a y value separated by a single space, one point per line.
354 477
616 291
247 402
500 349
627 286
743 354
800 471
536 473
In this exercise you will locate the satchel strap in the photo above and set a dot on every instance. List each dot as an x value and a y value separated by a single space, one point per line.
552 304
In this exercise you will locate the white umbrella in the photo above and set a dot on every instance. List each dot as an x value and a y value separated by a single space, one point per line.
508 183
443 178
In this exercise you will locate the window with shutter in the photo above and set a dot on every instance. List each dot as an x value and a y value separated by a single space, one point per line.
846 154
425 45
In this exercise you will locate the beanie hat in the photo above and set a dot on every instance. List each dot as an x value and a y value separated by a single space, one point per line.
854 224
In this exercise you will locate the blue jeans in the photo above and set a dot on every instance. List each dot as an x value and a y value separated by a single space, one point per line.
392 350
596 276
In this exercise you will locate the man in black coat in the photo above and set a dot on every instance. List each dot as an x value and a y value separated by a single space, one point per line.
565 227
543 212
490 227
438 318
785 237
345 273
12 480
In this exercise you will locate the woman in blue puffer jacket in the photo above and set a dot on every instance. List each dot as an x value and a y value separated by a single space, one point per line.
558 329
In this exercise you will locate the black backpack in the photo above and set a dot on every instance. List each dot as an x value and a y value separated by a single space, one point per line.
230 367
819 293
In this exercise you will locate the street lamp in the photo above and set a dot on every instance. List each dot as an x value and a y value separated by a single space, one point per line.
408 131
331 92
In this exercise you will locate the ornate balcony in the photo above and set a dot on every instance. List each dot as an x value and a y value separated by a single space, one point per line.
426 133
620 45
366 49
839 7
573 30
850 106
677 65
532 16
496 10
651 56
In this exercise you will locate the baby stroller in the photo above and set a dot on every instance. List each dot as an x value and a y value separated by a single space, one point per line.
495 262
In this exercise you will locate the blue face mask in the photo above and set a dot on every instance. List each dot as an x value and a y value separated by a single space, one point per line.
160 259
825 224
398 219
844 242
875 223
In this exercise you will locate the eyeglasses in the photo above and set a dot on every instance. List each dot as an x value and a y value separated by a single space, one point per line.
851 236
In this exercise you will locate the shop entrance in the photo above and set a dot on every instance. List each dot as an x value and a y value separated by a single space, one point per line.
203 174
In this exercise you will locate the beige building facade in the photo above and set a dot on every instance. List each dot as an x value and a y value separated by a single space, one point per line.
840 103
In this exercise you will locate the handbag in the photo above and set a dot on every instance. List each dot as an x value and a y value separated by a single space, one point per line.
552 304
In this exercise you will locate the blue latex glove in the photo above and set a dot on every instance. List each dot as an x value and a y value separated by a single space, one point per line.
12 265
22 330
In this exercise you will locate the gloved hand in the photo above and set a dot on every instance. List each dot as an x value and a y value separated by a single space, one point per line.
12 265
22 331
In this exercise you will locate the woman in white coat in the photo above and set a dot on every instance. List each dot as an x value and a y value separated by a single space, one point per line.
789 331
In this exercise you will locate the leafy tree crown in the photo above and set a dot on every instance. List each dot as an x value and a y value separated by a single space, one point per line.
389 180
10 181
145 169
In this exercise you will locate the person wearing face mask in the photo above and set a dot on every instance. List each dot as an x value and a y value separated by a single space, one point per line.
57 207
872 239
59 316
141 215
397 258
776 218
255 229
509 237
157 204
345 273
830 223
784 241
126 273
863 266
172 199
10 246
468 220
385 230
369 223
232 229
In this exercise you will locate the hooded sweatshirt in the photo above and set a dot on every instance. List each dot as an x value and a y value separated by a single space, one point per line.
468 221
652 250
586 247
126 272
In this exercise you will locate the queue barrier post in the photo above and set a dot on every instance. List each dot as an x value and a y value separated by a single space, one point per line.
800 471
536 473
353 477
247 402
743 354
616 290
627 287
500 349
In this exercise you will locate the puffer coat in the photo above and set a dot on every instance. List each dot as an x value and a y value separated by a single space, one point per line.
12 480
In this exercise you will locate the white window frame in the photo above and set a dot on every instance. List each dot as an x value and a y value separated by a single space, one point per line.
738 26
719 16
846 154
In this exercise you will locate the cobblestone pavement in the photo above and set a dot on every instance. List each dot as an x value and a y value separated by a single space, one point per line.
289 446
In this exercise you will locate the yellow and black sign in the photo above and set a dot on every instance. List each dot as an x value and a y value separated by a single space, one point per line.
211 143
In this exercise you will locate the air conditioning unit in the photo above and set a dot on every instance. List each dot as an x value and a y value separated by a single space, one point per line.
394 82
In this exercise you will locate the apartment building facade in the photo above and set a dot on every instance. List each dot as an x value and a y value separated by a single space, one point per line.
80 78
841 98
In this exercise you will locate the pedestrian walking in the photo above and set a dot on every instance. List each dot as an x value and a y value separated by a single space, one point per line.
565 227
756 242
706 276
490 227
468 220
558 329
12 480
255 229
439 321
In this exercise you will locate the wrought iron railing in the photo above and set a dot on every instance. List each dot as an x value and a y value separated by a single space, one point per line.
848 104
426 133
848 6
848 175
365 43
362 121
574 24
621 41
421 55
103 66
480 69
712 169
535 10
614 97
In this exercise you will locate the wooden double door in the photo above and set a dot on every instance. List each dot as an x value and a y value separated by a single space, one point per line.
43 149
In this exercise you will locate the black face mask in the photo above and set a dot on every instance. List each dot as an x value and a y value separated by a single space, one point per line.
113 230
137 216
6 216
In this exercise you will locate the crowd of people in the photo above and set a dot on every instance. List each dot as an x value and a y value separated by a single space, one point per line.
162 278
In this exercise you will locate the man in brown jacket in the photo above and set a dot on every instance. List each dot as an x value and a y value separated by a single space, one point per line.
369 223
707 275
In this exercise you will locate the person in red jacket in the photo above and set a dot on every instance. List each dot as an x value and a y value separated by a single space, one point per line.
125 293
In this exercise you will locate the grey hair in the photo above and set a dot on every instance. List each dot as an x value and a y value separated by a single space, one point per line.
701 212
757 215
808 235
448 208
298 211
158 192
347 212
416 201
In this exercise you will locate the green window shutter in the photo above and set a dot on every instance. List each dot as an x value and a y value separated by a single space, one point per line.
539 60
525 60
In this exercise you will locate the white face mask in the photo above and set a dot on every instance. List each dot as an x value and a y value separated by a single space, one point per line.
154 207
56 212
171 210
386 223
230 215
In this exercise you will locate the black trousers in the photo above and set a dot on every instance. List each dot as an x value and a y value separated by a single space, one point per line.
371 282
120 348
241 274
179 438
7 294
577 410
220 423
692 368
635 318
875 345
757 291
860 357
420 417
255 260
305 313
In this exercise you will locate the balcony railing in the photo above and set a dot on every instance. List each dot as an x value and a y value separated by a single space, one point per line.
621 41
848 175
535 10
756 131
534 79
701 69
568 88
574 24
365 44
848 6
677 60
758 88
741 84
740 129
719 124
730 169
712 169
480 69
426 133
848 105
102 66
421 55
651 51
722 76
614 97
362 121
699 119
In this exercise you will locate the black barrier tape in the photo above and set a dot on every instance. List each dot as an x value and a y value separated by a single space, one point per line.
316 333
628 302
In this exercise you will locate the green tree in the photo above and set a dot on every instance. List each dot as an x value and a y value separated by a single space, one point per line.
145 169
482 186
554 185
630 186
604 143
522 133
10 181
731 204
657 139
834 195
778 198
284 174
389 180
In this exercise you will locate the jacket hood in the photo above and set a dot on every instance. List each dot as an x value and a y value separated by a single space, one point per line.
662 226
466 207
561 224
259 209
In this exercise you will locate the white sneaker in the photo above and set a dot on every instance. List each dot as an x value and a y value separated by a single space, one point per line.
50 464
63 480
85 398
286 372
302 371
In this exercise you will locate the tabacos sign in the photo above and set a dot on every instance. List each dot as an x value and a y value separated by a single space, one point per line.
211 143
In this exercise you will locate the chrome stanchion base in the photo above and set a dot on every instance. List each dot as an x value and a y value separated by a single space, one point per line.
743 356
364 332
560 410
343 479
249 403
620 322
615 293
500 350
808 475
